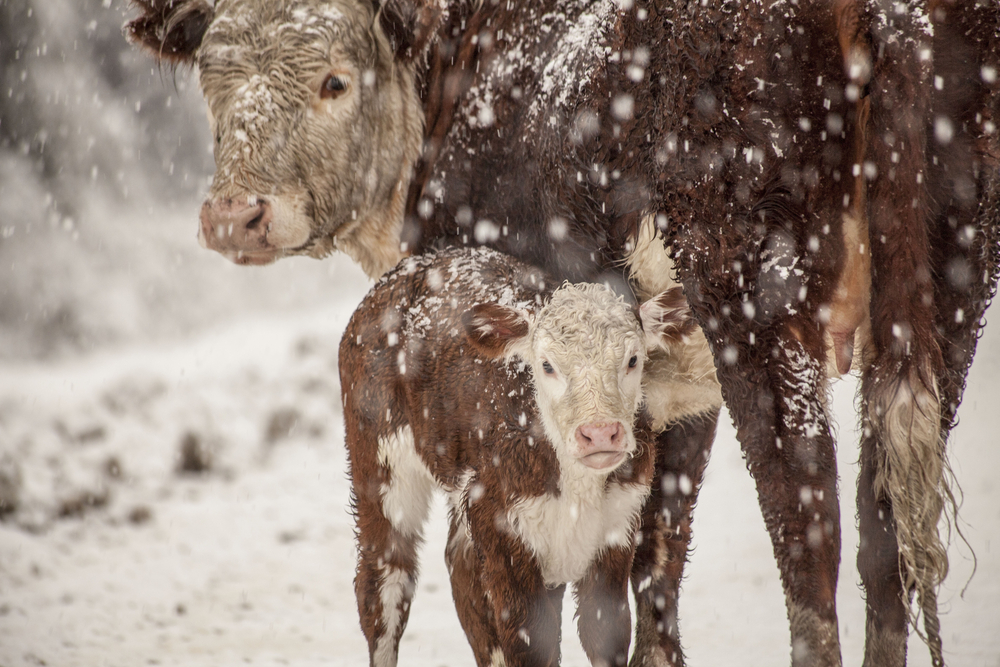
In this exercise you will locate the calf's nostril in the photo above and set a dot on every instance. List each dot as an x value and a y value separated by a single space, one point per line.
600 436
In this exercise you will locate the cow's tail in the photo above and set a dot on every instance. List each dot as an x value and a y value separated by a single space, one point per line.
901 390
912 472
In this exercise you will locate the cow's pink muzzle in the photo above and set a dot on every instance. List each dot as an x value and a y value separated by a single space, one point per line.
238 230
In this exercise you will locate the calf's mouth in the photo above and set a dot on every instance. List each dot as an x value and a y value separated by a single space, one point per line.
603 460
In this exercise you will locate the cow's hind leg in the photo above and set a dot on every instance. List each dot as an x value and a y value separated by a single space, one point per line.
899 494
878 564
760 265
392 491
902 491
771 366
664 537
779 407
934 220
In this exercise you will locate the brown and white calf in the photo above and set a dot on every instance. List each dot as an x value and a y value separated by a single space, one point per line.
465 371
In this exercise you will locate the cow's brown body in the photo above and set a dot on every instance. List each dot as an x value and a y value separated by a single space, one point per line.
825 179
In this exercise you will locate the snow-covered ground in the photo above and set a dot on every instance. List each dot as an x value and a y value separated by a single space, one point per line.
116 555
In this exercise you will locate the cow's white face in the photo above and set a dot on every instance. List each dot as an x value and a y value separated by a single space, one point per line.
586 349
315 126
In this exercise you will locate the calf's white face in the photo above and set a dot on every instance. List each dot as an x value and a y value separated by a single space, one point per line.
586 349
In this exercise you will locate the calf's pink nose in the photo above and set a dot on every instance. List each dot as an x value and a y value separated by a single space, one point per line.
230 224
600 437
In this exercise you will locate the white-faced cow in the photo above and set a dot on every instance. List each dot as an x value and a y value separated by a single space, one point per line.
820 176
463 370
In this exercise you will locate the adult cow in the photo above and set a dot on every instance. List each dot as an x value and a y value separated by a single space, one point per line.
820 176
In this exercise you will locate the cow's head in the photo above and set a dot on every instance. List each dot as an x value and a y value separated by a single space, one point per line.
315 117
586 350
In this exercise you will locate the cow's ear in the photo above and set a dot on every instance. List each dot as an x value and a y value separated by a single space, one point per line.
171 30
666 318
495 331
410 25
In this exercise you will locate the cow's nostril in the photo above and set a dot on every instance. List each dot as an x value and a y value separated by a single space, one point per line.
256 221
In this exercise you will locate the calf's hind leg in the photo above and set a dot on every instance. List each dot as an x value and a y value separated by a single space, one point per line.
391 494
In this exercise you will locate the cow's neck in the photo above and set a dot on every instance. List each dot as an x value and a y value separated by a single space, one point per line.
444 75
374 239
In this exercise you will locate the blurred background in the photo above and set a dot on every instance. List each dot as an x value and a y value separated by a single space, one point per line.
104 158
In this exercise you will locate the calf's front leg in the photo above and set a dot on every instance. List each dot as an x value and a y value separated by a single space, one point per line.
602 611
527 615
473 607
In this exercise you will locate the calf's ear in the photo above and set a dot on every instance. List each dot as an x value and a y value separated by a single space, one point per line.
494 330
410 25
171 30
666 318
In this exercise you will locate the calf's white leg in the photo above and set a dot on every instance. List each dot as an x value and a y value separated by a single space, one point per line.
392 492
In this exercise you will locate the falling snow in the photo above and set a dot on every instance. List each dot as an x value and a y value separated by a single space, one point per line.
172 469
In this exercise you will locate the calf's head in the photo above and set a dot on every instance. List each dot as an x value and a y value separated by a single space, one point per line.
586 349
315 117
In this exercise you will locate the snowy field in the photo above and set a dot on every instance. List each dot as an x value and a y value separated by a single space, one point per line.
185 503
173 484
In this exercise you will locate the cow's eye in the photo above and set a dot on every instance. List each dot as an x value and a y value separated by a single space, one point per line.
333 87
547 367
634 361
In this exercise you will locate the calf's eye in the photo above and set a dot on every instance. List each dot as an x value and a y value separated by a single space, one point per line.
547 367
333 87
634 361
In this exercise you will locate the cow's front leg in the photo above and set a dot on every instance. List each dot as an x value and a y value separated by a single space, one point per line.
664 537
603 617
775 388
